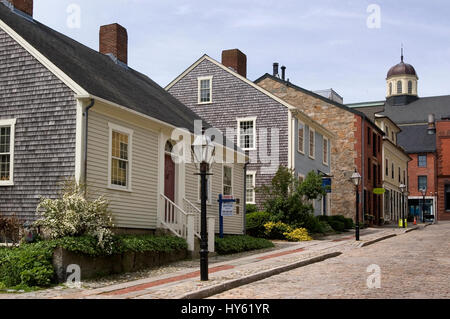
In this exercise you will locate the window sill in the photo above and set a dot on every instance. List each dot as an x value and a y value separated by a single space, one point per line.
5 184
203 103
120 189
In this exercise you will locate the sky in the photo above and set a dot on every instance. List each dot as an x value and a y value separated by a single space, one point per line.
345 45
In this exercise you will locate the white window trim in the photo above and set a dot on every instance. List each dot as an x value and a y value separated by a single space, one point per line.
199 81
232 180
129 132
311 130
325 161
253 174
246 119
298 129
12 124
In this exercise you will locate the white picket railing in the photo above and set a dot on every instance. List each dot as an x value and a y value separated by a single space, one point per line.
192 209
173 217
185 222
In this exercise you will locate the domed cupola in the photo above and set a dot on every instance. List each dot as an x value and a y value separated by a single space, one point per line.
402 83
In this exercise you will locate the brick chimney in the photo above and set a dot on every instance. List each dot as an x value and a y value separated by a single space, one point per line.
25 6
236 60
114 40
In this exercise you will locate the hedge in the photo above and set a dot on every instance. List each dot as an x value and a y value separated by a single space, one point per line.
255 224
237 244
30 265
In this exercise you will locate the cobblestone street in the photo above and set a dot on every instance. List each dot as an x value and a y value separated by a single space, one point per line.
414 265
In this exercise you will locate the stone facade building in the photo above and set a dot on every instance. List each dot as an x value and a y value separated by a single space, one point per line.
351 150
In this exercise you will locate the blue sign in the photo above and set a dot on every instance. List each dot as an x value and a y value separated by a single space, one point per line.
326 183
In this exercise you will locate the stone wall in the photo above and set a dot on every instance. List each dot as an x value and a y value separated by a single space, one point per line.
92 267
343 153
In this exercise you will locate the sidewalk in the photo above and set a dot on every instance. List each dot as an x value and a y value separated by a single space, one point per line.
226 272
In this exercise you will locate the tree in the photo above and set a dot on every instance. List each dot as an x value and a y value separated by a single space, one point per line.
288 200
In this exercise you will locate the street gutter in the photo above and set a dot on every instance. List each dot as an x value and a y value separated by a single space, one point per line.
214 290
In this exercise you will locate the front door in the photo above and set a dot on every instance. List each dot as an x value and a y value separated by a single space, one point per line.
169 184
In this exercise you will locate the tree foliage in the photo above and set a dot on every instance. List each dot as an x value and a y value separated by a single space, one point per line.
289 201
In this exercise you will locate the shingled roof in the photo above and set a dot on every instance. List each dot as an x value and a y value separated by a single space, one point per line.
99 75
418 111
415 139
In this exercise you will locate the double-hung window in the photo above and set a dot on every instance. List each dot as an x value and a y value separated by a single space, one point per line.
120 157
250 187
312 143
227 180
7 130
247 133
205 90
301 137
422 160
325 150
422 182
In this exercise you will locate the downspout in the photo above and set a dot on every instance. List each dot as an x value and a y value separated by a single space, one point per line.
363 174
245 195
86 122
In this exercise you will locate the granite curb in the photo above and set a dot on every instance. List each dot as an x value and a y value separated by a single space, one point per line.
210 291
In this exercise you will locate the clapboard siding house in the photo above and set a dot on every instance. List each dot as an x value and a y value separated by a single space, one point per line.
257 121
69 111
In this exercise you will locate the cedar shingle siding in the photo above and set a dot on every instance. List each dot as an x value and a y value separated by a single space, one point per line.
232 98
45 110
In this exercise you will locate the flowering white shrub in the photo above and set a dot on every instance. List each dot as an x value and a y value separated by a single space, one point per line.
72 214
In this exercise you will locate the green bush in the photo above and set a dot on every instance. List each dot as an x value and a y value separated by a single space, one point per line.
251 208
237 244
337 225
255 224
349 224
30 265
324 228
288 200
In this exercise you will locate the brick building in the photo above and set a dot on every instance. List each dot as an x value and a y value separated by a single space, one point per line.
443 167
424 136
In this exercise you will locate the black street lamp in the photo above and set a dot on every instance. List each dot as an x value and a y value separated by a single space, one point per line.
403 190
203 151
356 179
424 193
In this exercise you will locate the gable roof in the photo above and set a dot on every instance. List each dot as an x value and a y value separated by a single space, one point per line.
98 74
255 86
318 96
